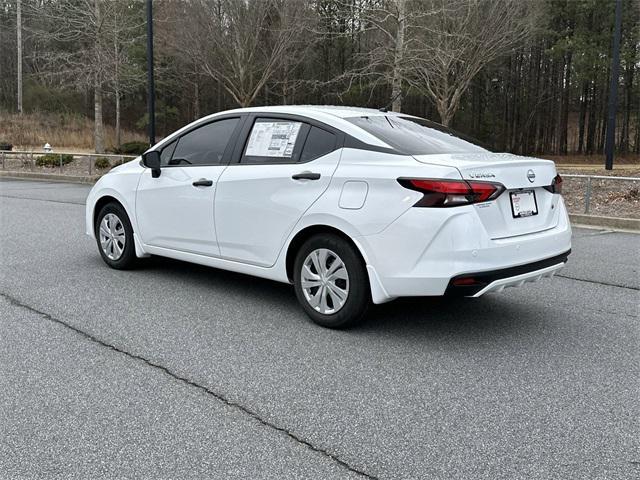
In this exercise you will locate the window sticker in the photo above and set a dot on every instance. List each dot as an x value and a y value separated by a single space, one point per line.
273 139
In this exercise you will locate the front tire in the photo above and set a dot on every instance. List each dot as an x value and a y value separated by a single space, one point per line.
114 236
331 281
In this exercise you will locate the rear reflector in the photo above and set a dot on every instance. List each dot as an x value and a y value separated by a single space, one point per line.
464 281
452 193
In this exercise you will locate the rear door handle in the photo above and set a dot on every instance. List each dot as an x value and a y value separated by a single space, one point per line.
306 176
203 182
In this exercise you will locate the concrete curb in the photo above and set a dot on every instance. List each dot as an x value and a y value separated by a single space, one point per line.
631 224
51 177
582 166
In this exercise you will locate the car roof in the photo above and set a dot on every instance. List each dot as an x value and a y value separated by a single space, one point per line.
334 110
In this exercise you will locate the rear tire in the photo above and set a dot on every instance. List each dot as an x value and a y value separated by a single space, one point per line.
114 236
331 281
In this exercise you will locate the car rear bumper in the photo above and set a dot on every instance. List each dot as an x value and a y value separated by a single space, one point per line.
477 284
424 250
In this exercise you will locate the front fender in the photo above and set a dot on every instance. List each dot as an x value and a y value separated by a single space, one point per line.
121 186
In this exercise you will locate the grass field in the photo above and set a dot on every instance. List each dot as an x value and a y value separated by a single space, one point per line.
64 132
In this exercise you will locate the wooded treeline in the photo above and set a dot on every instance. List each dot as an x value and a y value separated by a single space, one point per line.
523 76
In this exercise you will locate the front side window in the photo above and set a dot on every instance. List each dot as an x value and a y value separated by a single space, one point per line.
415 136
274 141
205 145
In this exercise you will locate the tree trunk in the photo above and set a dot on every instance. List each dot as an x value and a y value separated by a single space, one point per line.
591 128
602 116
637 140
116 84
97 117
582 116
516 104
507 112
196 100
564 121
19 39
97 97
533 124
396 87
118 133
446 112
628 98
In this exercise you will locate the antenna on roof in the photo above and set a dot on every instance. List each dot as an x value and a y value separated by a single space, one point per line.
386 107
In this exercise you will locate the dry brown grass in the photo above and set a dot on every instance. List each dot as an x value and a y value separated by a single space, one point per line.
63 131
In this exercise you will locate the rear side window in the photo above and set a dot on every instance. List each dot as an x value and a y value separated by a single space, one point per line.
416 136
319 142
274 140
205 145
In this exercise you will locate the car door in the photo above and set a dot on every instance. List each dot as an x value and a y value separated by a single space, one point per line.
175 210
281 168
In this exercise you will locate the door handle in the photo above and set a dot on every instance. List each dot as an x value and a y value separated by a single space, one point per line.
203 182
306 176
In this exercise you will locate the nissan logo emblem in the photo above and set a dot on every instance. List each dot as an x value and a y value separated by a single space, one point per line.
531 176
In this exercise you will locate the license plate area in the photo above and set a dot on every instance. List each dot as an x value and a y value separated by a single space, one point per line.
523 203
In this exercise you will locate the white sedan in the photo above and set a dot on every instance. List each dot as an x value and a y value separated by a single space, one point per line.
351 205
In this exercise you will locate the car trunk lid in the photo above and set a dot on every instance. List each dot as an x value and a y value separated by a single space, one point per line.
520 176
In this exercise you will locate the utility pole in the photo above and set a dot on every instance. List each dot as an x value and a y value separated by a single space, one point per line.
613 90
19 35
151 93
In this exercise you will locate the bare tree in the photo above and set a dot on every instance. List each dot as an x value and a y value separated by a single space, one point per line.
390 30
287 79
240 44
125 27
398 56
77 51
460 41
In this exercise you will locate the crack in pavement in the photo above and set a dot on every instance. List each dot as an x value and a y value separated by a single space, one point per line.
598 282
220 397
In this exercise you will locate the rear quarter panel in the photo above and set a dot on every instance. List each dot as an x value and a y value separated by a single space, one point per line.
385 198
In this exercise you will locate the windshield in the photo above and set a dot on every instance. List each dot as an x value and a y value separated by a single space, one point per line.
416 136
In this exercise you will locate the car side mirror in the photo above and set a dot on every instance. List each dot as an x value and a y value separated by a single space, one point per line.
151 160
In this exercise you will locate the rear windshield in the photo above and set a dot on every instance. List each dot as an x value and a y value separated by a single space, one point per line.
416 136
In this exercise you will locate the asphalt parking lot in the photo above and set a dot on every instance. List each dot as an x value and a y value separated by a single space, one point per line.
179 371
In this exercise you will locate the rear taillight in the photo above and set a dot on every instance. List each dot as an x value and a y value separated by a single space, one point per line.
452 193
556 185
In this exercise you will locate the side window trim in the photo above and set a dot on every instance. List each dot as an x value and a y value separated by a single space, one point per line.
226 156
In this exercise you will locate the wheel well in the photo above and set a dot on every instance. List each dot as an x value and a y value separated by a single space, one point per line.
102 201
305 234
